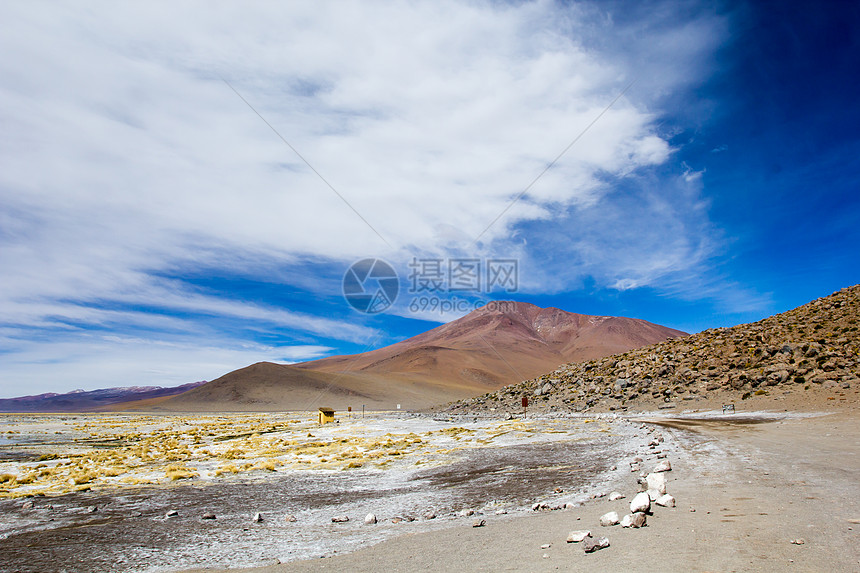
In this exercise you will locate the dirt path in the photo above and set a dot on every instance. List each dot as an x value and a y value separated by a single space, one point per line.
754 488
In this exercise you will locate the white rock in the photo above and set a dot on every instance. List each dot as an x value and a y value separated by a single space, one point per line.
637 519
340 519
615 496
546 546
370 519
290 518
172 513
640 502
608 519
430 515
663 466
479 523
466 513
577 536
656 481
665 501
501 512
653 494
258 518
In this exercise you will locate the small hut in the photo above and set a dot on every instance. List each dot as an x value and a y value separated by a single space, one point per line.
325 415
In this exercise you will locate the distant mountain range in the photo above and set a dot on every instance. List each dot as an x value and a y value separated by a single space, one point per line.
499 344
86 401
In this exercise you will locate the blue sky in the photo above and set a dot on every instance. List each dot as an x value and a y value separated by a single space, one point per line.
154 230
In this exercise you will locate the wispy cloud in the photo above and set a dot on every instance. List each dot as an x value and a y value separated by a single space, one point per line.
125 158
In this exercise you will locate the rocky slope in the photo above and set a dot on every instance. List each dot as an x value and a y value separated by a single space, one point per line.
805 353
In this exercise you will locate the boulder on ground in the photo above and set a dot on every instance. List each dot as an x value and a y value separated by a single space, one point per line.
340 519
608 519
614 496
641 502
577 536
635 520
656 481
590 544
663 466
370 519
665 501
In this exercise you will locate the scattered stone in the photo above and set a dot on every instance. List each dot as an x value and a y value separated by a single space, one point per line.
798 541
470 512
608 519
208 516
396 519
577 536
258 518
340 519
429 515
662 456
613 467
172 513
614 496
479 523
590 544
546 546
657 482
290 518
571 505
27 505
665 500
92 509
634 520
370 519
663 466
641 502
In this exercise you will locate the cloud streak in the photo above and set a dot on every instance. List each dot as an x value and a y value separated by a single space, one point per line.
126 158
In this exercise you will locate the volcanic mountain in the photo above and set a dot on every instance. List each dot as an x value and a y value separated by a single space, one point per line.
496 345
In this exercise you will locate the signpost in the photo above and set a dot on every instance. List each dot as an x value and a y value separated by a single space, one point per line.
349 411
525 405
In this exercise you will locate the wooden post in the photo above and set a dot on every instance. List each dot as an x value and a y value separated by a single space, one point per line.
525 405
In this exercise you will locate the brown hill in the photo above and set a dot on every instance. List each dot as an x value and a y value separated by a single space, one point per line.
806 357
498 344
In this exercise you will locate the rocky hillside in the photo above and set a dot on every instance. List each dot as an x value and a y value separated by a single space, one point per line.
807 352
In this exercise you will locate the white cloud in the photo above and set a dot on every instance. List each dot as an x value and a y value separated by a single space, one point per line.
124 155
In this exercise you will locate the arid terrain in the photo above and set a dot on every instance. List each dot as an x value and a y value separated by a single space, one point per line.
479 484
805 358
501 343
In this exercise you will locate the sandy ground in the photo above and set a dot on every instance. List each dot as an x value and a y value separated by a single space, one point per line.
754 488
